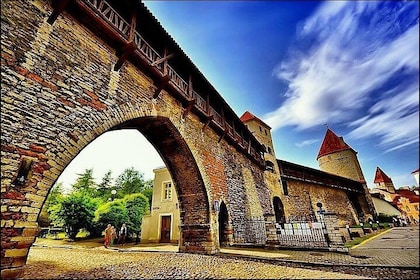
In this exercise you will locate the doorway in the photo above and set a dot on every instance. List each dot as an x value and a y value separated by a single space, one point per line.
278 210
165 229
223 225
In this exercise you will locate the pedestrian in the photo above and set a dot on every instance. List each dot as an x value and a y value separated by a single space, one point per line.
113 235
123 235
108 233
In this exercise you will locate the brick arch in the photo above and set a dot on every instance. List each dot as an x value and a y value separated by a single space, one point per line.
176 154
18 237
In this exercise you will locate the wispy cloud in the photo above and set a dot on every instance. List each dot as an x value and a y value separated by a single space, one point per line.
355 63
307 143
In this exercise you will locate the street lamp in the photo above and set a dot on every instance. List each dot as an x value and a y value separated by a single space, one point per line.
113 193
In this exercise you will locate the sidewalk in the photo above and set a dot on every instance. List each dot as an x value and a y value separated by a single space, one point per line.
397 248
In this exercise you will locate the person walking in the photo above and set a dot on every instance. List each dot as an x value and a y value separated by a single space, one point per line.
113 235
123 234
108 233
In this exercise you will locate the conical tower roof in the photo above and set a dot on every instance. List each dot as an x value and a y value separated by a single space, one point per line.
381 177
248 116
331 144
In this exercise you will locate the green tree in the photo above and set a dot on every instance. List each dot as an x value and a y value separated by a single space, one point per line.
53 198
76 211
113 212
105 187
129 182
137 206
149 194
85 183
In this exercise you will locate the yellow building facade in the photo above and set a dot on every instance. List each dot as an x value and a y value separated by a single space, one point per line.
162 224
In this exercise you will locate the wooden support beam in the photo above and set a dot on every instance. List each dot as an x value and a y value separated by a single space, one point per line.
162 83
59 6
189 107
133 22
222 136
190 87
208 120
163 59
124 53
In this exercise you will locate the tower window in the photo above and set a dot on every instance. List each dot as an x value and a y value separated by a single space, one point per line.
269 166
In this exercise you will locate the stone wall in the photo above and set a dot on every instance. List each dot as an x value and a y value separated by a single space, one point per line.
59 92
304 196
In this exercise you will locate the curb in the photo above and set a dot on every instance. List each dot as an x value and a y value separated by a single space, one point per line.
371 238
320 264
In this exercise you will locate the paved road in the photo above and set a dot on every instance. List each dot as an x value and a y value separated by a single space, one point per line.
391 255
397 247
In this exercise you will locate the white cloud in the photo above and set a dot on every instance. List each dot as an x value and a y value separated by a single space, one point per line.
362 57
307 143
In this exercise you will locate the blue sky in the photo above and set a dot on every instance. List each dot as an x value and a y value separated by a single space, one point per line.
301 66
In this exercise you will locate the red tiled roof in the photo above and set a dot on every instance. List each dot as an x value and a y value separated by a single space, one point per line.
410 195
331 144
381 177
247 116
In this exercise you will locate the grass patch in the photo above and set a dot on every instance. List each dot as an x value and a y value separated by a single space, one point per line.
358 240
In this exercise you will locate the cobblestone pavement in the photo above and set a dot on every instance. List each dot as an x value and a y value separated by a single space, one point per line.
85 263
391 255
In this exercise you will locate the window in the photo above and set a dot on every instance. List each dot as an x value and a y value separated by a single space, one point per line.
167 191
416 207
24 172
408 208
269 166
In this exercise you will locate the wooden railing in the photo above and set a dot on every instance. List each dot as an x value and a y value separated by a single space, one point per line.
113 19
178 82
110 15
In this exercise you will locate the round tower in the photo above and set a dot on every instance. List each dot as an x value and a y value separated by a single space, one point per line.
337 157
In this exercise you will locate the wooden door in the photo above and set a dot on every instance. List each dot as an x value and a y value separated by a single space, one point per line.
165 229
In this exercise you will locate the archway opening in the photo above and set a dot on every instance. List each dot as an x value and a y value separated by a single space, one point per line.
279 210
191 201
223 220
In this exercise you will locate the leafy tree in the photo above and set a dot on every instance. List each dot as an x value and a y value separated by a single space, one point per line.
105 187
129 182
85 183
149 194
75 212
137 206
113 213
54 197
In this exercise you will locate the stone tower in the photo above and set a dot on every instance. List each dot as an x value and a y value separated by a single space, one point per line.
383 182
261 131
337 157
